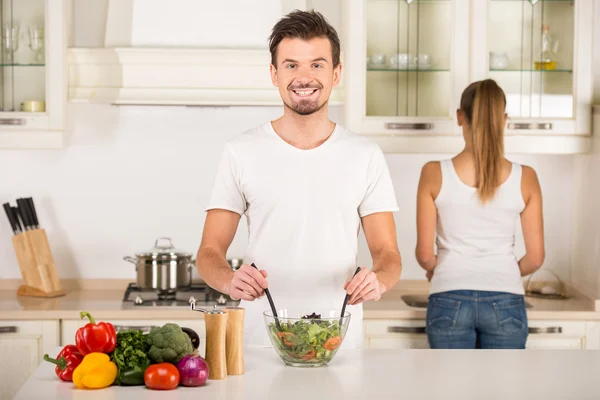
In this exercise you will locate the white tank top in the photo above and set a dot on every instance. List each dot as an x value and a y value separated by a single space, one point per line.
476 242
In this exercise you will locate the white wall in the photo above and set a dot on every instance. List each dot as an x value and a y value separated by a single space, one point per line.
132 174
586 221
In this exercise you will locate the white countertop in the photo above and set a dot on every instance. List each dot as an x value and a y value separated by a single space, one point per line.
376 374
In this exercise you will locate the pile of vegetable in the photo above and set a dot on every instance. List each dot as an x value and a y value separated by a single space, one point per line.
162 359
131 357
308 340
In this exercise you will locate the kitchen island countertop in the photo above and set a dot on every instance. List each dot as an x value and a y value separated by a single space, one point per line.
106 304
377 374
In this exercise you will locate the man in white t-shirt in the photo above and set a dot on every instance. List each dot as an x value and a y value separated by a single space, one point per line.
305 186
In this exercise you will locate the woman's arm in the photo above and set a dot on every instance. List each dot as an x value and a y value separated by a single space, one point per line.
429 187
532 222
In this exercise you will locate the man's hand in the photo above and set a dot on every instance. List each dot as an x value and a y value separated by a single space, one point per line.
363 286
248 283
429 275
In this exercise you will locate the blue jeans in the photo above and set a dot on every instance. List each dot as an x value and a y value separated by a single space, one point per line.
469 319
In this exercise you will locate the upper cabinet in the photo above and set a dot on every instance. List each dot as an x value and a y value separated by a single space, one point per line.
540 52
33 73
408 61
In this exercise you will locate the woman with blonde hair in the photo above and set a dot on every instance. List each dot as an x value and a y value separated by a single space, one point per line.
469 207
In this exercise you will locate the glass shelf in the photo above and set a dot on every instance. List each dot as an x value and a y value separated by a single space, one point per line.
413 2
383 69
22 54
22 65
408 50
568 71
527 1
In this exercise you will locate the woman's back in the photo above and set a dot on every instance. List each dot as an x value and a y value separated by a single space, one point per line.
470 207
475 240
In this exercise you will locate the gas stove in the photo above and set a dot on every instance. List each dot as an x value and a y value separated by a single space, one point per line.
199 293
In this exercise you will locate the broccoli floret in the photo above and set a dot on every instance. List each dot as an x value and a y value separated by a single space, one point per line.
168 344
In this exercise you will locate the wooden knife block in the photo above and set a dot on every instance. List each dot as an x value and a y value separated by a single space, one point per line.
37 265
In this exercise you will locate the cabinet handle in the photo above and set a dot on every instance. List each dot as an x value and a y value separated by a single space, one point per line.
406 329
142 328
548 329
530 125
417 125
8 329
13 121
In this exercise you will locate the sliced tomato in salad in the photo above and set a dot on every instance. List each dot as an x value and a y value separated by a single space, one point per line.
310 355
286 336
333 343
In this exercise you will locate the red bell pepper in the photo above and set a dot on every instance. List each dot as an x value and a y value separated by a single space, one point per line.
95 337
66 361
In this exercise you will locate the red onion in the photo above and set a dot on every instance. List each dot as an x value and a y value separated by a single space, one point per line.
193 370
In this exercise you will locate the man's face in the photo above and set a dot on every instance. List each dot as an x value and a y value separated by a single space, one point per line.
305 74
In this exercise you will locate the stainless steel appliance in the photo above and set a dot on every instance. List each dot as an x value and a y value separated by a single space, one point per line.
201 294
163 268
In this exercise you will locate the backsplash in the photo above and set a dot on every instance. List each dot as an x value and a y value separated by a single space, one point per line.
131 174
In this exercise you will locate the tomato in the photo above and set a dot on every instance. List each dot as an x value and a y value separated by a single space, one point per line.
285 336
163 376
310 355
333 343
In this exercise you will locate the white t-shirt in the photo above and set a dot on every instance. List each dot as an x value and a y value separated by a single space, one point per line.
303 209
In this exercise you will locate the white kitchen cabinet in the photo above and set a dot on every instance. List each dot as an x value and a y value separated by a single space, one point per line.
407 63
69 327
33 73
395 334
592 335
411 334
546 48
556 335
22 348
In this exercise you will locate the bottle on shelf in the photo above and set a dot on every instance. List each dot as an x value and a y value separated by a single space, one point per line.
548 50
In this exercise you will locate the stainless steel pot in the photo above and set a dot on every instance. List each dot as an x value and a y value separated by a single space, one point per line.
163 268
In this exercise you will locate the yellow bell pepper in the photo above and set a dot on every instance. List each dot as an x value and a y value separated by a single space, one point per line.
96 371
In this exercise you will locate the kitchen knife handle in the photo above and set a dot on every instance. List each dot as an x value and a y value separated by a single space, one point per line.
35 221
25 214
18 218
11 218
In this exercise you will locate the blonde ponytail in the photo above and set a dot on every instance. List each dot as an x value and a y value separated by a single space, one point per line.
484 105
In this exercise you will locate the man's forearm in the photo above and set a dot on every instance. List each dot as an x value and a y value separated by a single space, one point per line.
387 266
214 269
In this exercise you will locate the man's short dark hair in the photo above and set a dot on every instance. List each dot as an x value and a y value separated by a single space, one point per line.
304 25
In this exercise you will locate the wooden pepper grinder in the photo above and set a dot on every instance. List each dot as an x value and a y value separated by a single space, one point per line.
234 348
216 328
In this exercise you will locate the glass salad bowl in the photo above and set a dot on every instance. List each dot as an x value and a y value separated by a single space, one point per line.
307 339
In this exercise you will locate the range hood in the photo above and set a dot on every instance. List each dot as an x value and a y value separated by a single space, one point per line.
184 52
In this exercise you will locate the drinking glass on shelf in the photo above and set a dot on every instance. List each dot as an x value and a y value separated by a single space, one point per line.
36 44
10 42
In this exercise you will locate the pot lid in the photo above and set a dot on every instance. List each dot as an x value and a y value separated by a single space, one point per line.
164 248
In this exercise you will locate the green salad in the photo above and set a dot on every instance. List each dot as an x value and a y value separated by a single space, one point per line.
308 340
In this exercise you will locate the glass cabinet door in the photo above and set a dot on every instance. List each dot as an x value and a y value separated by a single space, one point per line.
531 55
406 65
22 59
539 52
408 58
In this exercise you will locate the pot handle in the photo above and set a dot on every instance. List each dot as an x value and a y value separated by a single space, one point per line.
130 259
192 263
